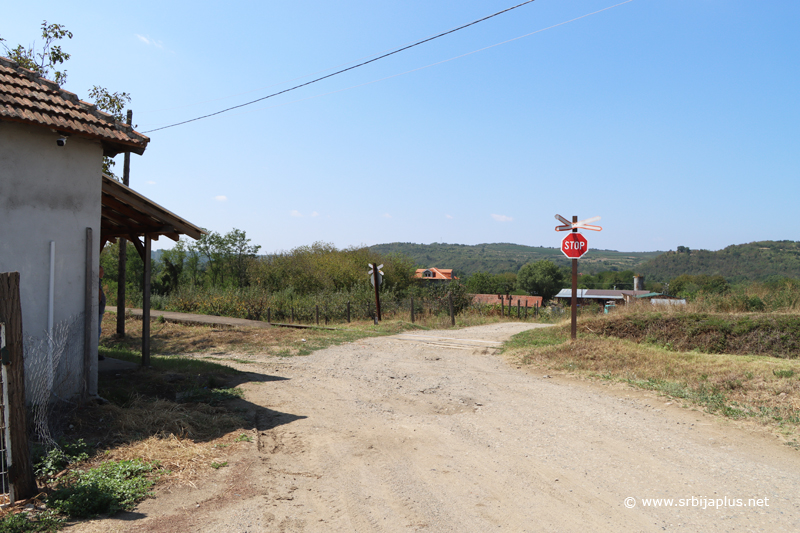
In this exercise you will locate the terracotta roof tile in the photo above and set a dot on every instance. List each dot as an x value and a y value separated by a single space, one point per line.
27 97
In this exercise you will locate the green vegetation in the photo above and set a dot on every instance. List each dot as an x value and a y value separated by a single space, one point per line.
50 463
763 261
498 258
542 278
32 522
111 487
775 335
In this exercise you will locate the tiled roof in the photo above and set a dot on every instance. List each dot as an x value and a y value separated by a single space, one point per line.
437 273
28 98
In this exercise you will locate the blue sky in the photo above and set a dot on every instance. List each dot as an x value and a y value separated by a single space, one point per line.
675 121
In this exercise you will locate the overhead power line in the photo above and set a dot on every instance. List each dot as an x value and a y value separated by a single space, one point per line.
423 41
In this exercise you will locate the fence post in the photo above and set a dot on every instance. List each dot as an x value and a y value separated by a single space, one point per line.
20 471
536 310
292 320
412 309
452 313
316 307
502 306
348 311
269 315
518 304
526 309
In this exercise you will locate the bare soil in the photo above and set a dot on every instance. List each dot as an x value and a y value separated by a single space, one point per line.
436 431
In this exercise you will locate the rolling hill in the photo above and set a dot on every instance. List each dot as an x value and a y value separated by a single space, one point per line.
755 261
497 258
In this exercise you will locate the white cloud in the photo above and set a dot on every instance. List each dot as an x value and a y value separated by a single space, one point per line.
151 182
296 213
449 216
221 198
148 41
502 218
314 214
387 215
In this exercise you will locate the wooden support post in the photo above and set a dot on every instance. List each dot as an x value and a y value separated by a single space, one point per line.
526 308
452 312
292 321
123 249
146 304
377 295
121 280
269 315
518 304
348 312
502 306
23 482
412 309
91 298
316 310
574 324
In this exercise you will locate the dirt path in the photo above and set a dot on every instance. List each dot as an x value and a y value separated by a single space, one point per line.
437 433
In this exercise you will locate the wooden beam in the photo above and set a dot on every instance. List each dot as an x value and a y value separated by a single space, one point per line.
138 244
146 305
21 469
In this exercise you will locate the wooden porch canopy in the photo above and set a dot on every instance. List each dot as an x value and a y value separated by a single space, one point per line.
128 215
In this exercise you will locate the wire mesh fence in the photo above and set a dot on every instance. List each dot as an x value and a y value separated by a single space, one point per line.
410 309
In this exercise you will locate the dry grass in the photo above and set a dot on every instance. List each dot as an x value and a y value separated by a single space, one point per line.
756 387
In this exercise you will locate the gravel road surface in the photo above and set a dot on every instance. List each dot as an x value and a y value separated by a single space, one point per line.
436 432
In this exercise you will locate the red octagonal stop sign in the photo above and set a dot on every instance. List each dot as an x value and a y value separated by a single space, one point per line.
574 245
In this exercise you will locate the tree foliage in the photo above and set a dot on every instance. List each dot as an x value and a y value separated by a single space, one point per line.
542 278
48 58
690 286
485 283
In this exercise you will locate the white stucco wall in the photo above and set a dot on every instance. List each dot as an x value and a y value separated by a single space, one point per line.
51 193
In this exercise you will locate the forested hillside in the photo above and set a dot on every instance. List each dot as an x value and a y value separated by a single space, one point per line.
498 258
756 261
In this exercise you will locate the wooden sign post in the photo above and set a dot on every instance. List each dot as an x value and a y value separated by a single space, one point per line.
574 246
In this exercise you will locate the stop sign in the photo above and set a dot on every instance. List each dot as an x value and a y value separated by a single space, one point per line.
574 245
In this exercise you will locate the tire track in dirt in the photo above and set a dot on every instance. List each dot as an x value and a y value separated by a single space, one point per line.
404 434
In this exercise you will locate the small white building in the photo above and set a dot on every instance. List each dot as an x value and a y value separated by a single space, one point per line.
51 154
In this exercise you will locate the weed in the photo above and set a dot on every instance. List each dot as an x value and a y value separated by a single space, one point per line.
28 522
783 373
111 487
50 463
217 466
243 437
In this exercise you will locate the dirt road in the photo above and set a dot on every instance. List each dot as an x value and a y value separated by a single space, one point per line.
436 432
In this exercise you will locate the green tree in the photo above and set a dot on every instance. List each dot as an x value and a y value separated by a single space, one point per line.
542 278
480 283
241 251
48 58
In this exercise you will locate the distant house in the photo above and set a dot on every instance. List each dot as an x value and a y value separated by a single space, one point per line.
435 274
598 296
57 212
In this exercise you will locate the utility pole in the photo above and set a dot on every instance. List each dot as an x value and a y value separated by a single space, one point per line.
123 249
